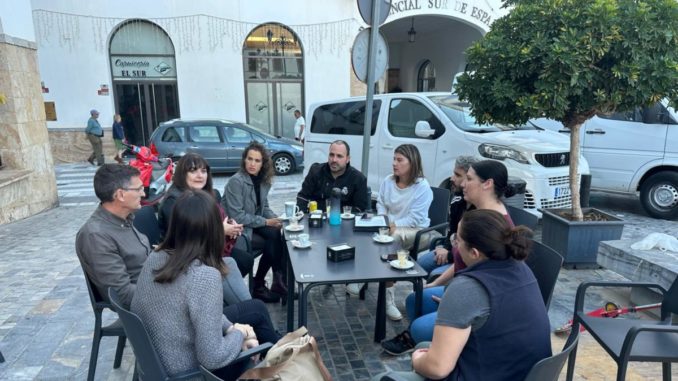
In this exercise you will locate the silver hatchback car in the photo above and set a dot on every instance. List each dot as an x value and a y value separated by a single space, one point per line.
222 142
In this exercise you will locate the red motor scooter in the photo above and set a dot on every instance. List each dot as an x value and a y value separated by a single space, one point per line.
156 173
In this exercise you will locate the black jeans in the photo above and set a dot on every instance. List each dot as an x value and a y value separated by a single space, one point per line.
244 260
254 313
269 239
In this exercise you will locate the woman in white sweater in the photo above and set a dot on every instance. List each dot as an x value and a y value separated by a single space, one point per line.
404 197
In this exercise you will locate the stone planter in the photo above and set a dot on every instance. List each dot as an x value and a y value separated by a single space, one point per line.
577 241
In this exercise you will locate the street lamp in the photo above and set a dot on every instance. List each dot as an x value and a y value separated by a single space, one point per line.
411 33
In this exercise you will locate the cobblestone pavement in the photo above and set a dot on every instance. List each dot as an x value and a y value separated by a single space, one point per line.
46 319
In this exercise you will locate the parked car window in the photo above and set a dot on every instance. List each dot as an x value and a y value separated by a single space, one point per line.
174 135
205 134
404 115
345 118
258 139
625 116
237 135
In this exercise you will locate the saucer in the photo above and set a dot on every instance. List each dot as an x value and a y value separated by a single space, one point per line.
382 239
396 264
348 216
298 244
297 228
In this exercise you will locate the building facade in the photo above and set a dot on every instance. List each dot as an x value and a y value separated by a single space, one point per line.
253 61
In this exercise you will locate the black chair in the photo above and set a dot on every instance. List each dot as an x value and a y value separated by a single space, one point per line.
2 359
549 368
438 213
146 222
545 264
148 365
114 329
522 217
207 375
631 339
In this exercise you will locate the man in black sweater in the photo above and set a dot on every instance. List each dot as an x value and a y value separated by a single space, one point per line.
336 173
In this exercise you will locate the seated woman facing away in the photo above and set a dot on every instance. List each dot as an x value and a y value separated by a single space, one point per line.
492 322
179 295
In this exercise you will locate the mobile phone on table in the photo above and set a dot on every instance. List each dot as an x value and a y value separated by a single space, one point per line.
389 257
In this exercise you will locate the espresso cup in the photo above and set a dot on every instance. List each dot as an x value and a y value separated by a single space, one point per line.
383 232
347 210
303 239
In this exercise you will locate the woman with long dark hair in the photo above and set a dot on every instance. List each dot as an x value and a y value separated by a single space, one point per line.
179 295
492 323
246 199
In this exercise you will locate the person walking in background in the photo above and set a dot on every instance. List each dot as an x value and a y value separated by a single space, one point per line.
299 127
94 134
118 137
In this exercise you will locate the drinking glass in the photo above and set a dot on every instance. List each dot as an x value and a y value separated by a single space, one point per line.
402 257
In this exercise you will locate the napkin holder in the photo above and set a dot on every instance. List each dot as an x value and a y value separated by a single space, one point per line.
315 220
340 252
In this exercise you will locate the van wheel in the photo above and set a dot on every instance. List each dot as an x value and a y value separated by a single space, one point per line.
659 195
283 164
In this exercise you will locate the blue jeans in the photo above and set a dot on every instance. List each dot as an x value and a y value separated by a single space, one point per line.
421 328
428 262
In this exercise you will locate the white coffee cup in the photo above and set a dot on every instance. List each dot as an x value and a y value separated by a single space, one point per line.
291 208
303 239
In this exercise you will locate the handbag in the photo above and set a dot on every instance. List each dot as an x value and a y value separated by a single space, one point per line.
295 357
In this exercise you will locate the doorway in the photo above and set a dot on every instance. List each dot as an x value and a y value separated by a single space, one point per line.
271 105
143 106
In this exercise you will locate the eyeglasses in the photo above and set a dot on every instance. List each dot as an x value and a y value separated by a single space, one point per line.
138 189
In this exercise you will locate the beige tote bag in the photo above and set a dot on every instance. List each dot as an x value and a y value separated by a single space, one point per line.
295 357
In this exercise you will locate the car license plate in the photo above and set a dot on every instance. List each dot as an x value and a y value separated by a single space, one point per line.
561 192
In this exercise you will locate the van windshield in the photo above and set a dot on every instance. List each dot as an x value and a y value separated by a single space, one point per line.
460 114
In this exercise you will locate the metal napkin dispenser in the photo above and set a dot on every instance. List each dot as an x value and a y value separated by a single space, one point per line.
315 220
340 252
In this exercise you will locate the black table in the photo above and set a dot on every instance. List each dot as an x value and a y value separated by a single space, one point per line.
310 268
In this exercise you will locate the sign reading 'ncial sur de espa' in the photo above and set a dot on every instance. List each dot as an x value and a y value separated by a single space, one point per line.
482 15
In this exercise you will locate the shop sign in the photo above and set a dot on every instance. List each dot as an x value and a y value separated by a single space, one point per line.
456 6
143 67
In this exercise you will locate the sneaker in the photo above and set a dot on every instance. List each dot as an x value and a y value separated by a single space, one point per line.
399 345
391 310
262 293
353 289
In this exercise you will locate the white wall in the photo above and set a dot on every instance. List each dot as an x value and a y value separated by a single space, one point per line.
16 19
74 59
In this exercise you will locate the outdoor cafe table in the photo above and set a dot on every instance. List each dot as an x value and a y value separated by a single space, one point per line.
310 268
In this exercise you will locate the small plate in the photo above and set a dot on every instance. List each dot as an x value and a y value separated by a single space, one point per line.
396 264
349 216
297 228
382 239
298 244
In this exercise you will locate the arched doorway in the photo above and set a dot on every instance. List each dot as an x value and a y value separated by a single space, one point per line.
422 55
273 62
144 78
426 77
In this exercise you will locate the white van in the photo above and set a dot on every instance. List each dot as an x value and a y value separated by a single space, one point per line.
630 152
442 128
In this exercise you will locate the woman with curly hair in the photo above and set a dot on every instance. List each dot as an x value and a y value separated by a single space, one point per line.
246 200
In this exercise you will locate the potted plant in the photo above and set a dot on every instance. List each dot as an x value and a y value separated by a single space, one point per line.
569 60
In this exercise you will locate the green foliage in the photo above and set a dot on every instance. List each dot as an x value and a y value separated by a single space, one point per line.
570 59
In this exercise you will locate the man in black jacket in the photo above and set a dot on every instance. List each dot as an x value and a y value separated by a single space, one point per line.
336 173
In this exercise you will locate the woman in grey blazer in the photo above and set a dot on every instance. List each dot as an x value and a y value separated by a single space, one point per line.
246 200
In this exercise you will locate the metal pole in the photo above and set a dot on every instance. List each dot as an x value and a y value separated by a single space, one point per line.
372 52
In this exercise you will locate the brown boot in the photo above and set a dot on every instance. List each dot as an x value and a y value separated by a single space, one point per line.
118 159
262 293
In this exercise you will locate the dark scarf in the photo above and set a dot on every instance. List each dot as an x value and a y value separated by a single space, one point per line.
256 180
